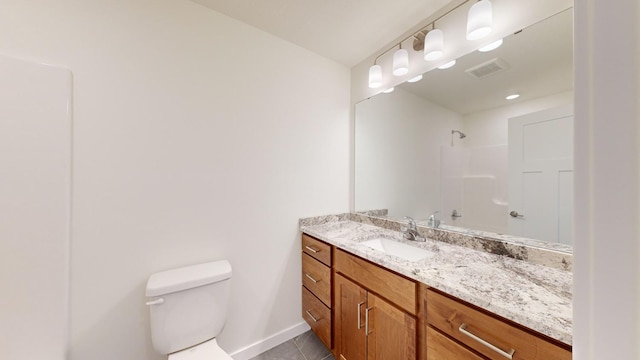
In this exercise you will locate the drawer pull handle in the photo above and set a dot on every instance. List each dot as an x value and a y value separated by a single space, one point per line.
311 316
311 278
508 355
359 305
312 249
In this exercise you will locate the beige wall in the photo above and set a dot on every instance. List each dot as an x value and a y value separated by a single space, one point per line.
195 137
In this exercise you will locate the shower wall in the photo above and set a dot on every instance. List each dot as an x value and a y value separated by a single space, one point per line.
474 184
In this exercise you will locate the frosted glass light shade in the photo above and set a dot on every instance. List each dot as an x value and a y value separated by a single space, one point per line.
433 45
375 76
415 79
447 65
479 20
400 62
494 45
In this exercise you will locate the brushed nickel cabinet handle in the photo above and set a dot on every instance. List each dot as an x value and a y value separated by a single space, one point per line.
311 249
359 305
311 316
508 355
311 278
366 320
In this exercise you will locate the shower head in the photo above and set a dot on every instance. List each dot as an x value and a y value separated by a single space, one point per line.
460 133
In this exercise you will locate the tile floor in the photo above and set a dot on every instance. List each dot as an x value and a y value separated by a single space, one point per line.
303 347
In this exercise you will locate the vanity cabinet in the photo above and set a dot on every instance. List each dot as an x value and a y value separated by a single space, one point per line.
368 323
363 311
467 327
316 287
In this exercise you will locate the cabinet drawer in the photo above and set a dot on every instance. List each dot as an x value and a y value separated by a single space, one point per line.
317 249
479 330
393 287
440 347
317 315
316 277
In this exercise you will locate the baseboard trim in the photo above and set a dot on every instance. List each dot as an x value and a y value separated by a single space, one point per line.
272 341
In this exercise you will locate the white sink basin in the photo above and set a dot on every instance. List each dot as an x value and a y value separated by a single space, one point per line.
395 248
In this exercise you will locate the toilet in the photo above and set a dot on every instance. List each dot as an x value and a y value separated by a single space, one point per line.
188 309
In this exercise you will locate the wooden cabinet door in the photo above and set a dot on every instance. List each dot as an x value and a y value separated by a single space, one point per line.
392 332
350 302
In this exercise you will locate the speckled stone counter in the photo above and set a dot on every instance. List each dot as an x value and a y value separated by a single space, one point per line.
536 296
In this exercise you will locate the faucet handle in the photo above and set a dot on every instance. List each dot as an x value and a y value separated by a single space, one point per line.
433 221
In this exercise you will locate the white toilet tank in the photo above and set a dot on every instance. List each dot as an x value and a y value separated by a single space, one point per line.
188 305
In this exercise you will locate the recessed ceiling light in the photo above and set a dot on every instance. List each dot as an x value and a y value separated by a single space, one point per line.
447 65
389 90
494 45
513 96
415 79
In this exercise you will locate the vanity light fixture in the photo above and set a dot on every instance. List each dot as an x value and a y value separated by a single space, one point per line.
479 20
400 61
494 45
375 76
447 65
512 96
433 45
389 90
415 79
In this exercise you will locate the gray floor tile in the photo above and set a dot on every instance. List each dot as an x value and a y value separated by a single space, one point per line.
301 339
306 346
285 351
313 348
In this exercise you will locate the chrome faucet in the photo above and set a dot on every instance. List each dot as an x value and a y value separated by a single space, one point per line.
433 220
411 231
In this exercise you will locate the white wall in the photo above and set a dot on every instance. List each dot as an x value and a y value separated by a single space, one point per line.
398 140
607 206
490 127
195 138
35 208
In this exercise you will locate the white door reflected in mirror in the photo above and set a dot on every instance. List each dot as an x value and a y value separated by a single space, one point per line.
541 175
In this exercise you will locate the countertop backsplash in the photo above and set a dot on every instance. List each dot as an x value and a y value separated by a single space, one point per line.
533 251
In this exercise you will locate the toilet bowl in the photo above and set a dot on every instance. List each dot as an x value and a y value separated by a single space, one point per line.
187 308
208 350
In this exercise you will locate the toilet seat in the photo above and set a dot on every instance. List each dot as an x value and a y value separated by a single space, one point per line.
208 350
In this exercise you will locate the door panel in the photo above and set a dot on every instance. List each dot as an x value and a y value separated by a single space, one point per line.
392 332
541 175
350 303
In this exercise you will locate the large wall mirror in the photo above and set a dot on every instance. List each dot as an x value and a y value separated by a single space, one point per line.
454 144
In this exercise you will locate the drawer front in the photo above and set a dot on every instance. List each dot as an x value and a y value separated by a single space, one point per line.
393 287
317 249
440 347
480 331
316 277
317 315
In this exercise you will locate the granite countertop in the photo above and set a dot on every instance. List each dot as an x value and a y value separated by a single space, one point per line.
535 296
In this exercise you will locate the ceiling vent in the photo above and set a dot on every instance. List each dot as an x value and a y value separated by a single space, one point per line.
488 68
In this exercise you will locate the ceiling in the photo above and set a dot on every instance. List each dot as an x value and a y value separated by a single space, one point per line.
539 63
347 31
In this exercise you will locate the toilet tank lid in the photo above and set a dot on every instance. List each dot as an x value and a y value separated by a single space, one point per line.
188 277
